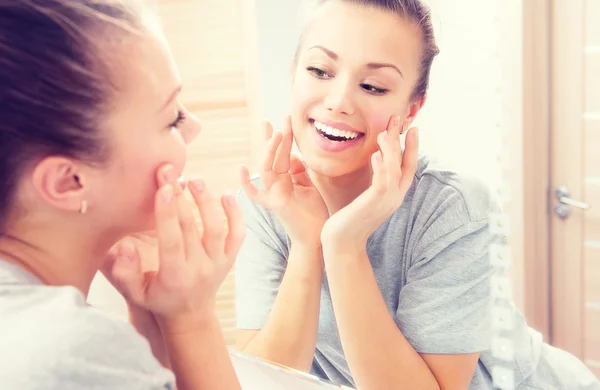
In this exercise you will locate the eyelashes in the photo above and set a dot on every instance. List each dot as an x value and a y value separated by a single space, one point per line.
323 75
179 120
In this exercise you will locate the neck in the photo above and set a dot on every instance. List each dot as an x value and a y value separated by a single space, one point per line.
340 191
68 255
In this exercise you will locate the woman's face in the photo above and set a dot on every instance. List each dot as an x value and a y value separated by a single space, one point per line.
356 68
147 128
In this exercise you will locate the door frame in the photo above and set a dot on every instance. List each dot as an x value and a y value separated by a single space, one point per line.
536 165
553 61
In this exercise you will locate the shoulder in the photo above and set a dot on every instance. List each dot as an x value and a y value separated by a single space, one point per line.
439 189
54 333
446 207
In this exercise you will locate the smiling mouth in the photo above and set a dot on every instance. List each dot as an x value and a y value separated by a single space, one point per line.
335 135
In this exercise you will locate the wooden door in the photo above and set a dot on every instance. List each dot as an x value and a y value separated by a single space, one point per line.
575 165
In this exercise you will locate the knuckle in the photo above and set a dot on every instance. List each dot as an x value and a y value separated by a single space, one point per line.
170 245
214 230
188 223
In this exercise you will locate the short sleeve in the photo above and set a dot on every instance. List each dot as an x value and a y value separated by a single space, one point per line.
111 356
58 342
260 265
445 305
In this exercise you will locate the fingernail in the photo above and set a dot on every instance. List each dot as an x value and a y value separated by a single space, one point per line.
229 199
182 182
168 174
167 193
198 185
397 121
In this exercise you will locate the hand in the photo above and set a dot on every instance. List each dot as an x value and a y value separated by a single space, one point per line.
139 248
288 190
191 264
393 173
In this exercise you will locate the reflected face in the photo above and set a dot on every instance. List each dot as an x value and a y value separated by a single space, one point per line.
356 68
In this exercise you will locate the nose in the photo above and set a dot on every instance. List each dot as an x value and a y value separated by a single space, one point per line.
338 99
191 128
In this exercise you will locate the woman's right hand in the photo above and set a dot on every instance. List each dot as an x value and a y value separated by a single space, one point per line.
192 264
288 190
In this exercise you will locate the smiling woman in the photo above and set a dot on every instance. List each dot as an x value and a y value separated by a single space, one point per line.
365 263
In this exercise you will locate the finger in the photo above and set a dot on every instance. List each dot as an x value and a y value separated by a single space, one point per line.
236 227
395 126
187 222
253 193
395 130
391 157
147 249
267 164
109 261
379 181
268 130
299 173
282 157
410 159
127 274
189 229
171 249
168 175
211 213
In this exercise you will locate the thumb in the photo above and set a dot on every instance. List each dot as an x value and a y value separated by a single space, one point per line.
299 173
127 274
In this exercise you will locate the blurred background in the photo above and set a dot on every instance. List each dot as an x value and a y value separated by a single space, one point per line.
514 100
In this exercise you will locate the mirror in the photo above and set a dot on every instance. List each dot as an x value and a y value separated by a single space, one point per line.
512 110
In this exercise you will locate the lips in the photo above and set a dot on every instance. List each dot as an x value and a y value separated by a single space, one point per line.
334 136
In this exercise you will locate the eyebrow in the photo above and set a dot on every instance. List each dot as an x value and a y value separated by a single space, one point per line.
172 96
371 65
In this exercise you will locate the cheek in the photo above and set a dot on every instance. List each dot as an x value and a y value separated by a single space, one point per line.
304 93
143 163
378 119
178 156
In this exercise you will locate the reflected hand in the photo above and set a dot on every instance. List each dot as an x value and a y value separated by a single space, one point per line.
288 190
393 174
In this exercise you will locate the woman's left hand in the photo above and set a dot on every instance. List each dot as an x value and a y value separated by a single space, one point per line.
393 173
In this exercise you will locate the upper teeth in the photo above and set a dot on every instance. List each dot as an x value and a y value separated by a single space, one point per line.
335 132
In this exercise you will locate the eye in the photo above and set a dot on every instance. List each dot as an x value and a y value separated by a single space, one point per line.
178 121
374 90
318 73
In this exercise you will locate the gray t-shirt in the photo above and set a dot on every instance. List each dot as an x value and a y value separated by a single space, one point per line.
431 262
51 339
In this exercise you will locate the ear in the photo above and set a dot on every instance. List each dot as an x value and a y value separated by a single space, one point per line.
60 182
413 111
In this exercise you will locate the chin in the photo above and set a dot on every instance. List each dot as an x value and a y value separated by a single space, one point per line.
328 167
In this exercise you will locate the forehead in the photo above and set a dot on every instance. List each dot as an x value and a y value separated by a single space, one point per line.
364 34
144 69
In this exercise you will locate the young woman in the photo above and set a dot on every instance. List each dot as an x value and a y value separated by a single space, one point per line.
366 264
92 142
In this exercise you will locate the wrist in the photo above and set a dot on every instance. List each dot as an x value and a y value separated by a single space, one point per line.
186 323
343 249
310 255
139 317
